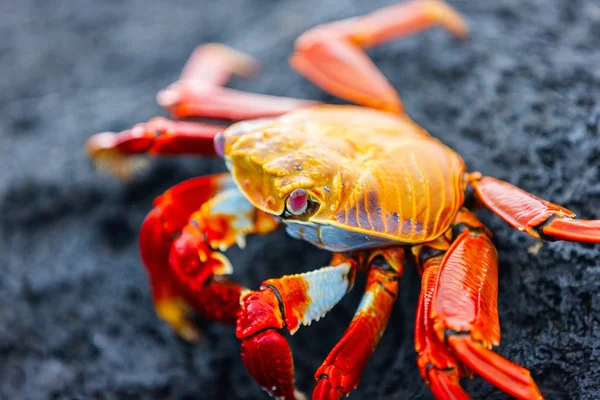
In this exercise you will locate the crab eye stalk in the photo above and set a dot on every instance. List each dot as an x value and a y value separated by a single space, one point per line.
297 203
300 206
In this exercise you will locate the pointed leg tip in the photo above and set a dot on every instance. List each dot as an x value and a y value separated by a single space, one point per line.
98 142
448 18
325 391
223 265
502 373
190 334
445 385
175 312
169 96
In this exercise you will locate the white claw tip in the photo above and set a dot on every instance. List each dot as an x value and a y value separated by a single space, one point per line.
225 268
241 241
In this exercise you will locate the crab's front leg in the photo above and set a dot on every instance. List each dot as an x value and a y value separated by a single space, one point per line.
179 240
295 300
287 303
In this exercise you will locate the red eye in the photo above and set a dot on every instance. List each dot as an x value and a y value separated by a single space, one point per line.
297 202
219 143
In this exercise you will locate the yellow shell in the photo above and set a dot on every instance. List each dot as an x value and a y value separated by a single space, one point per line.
371 172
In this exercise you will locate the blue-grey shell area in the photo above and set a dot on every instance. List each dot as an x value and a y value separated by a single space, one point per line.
334 239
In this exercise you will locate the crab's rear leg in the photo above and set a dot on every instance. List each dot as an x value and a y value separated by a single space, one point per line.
198 93
200 90
526 212
457 320
332 55
178 243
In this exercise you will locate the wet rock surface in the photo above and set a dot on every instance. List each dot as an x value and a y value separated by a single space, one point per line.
519 101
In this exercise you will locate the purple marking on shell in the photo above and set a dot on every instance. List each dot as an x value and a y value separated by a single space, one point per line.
297 201
219 143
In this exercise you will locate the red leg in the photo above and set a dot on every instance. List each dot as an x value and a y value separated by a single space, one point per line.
176 244
116 152
439 368
343 367
458 309
288 302
331 55
200 92
537 217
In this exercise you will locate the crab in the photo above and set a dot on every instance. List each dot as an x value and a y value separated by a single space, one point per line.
363 181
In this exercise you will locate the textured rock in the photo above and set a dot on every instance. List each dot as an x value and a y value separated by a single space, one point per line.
520 101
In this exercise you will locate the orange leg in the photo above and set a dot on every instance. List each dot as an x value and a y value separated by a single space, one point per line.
458 321
286 303
332 56
200 93
537 217
343 367
177 243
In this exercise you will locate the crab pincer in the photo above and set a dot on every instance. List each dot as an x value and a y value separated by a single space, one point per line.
180 244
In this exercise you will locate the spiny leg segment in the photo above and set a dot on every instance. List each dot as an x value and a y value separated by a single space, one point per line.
332 55
286 303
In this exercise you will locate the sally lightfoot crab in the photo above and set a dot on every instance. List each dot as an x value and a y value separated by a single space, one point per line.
364 182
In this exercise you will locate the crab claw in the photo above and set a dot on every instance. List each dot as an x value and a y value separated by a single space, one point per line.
221 222
193 261
179 242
